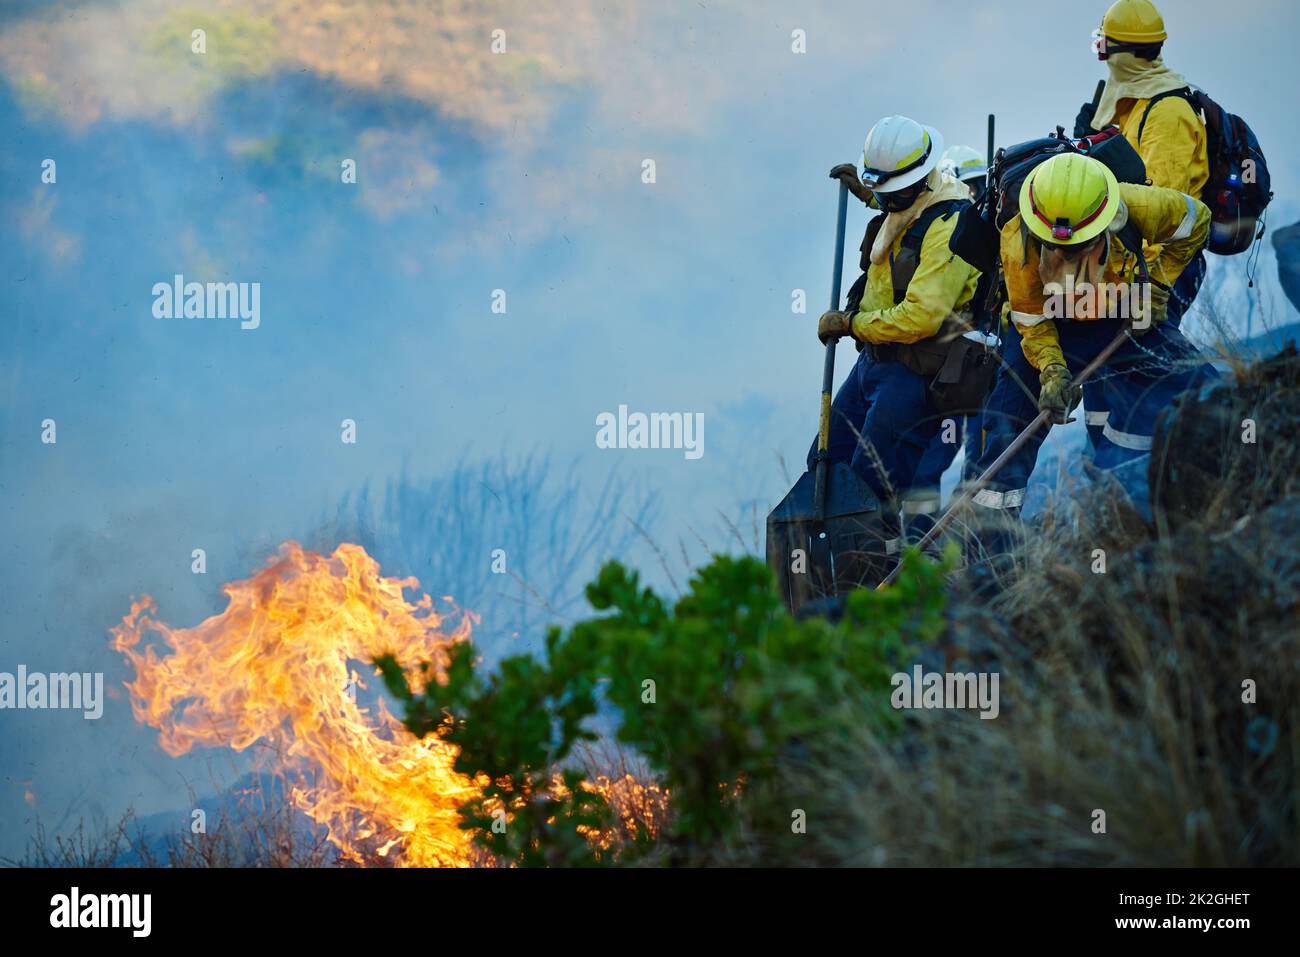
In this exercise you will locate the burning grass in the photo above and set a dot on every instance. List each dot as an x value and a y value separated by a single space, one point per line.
1148 713
279 666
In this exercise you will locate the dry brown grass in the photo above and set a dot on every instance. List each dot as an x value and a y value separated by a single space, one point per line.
255 829
1122 692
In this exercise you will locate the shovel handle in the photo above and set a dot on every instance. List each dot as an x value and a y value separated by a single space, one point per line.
837 279
1026 434
828 366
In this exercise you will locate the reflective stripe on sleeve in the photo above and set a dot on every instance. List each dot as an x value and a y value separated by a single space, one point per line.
1026 319
1185 228
1095 418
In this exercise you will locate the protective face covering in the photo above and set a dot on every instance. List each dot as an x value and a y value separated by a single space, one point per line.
939 187
1065 268
1133 78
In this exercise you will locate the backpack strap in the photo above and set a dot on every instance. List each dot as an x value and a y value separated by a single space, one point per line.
1131 239
953 363
869 240
915 235
1185 94
903 266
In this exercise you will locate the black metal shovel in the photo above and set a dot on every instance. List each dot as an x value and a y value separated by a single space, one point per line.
825 537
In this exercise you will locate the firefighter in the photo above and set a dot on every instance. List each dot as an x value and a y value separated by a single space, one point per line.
1073 284
1143 97
915 299
967 165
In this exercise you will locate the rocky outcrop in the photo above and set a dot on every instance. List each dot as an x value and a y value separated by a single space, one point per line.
1286 243
1230 449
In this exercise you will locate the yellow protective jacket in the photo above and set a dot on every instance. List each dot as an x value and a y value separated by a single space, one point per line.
1173 144
942 285
1167 218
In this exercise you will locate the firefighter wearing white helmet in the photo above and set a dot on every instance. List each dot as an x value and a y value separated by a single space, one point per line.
967 165
913 299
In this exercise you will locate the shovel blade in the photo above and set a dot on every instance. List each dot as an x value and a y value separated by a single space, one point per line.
815 559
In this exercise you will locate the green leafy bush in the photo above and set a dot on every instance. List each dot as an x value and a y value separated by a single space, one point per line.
716 693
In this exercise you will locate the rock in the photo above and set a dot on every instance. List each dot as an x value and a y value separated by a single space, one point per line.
1286 243
1229 449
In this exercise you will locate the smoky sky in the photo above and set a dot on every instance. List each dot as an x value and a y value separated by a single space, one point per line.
476 172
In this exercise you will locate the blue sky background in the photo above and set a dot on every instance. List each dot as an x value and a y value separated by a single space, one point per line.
475 172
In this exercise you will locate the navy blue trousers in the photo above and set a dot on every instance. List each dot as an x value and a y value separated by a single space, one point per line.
1181 296
1140 379
888 406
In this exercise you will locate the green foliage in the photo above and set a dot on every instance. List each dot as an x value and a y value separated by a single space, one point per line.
714 693
513 729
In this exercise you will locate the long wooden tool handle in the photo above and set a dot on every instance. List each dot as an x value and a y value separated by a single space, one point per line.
828 366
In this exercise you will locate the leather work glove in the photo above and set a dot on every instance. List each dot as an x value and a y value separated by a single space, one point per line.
834 325
1083 122
1056 395
847 173
1159 311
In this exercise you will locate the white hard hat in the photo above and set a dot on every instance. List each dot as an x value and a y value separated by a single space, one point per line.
899 152
963 163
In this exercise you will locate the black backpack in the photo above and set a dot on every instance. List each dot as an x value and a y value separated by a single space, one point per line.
977 236
909 248
1238 190
959 372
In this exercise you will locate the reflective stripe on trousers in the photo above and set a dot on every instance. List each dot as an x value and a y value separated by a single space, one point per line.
1181 297
920 502
1127 440
1142 378
1005 498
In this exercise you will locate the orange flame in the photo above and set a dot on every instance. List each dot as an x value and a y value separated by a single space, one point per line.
276 667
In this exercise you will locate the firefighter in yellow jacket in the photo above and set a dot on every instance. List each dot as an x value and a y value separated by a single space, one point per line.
1142 98
1149 103
912 301
1073 277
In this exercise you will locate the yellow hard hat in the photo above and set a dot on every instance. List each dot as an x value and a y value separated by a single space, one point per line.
1069 199
1134 21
